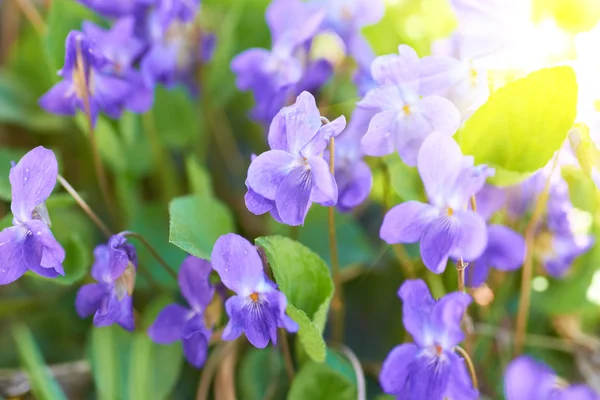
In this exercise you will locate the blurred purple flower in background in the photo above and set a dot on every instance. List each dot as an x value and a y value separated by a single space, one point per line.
528 379
443 227
29 243
404 107
428 368
258 308
110 300
176 322
294 173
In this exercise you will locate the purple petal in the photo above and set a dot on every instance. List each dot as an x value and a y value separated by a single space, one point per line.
406 222
277 303
527 379
52 252
446 319
268 170
400 69
437 74
257 204
238 264
248 68
115 311
438 239
110 92
260 323
440 161
110 261
443 116
316 74
12 260
489 200
396 370
194 282
89 299
32 181
460 385
169 324
471 235
379 139
325 190
235 325
316 146
506 248
417 305
578 392
195 348
354 189
60 99
430 375
159 65
293 195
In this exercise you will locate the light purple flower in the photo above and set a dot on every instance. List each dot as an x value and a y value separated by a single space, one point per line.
258 308
293 173
405 110
115 9
82 77
122 49
428 368
29 243
352 174
505 251
110 299
176 322
444 228
528 379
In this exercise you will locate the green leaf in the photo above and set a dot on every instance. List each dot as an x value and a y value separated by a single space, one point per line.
6 157
261 372
522 124
153 368
77 260
199 179
320 381
405 180
340 363
304 278
43 385
196 222
135 145
109 357
63 17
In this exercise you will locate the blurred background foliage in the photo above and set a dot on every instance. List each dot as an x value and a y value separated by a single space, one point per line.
201 148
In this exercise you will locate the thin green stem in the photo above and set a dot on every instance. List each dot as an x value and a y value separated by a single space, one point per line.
153 252
361 385
84 206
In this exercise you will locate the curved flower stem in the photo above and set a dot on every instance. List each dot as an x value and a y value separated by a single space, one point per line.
84 206
337 304
209 370
98 166
153 252
287 355
361 386
32 15
470 365
523 313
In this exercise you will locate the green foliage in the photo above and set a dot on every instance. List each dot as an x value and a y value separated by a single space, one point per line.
108 354
304 278
261 372
523 124
196 222
43 385
405 180
6 157
320 381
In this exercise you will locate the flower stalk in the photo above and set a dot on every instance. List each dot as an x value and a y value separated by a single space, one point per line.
152 251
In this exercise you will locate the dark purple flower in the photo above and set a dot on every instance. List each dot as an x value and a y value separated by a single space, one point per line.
444 227
428 368
405 111
29 243
110 299
505 251
115 9
352 174
121 48
293 173
347 17
528 379
258 308
176 322
82 78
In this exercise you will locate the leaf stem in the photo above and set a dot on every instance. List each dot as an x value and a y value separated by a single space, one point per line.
361 386
523 313
287 355
84 206
337 304
470 365
153 252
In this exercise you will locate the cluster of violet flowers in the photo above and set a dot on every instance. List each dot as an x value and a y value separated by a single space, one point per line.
150 42
411 106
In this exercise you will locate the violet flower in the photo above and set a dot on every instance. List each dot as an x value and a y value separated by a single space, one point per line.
293 173
115 9
176 322
258 308
352 174
110 299
528 379
29 243
505 251
405 112
428 368
82 78
121 48
444 227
